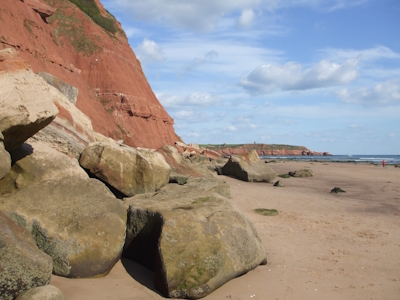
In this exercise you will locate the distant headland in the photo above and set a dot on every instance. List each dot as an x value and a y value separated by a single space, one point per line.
264 149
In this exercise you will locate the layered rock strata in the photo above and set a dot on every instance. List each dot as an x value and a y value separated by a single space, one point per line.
58 38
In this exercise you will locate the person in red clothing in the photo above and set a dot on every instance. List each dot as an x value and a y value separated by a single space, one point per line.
383 163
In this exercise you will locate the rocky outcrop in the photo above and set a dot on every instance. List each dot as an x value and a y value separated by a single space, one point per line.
40 7
22 265
47 292
78 222
240 168
70 92
5 159
98 61
195 240
26 106
35 162
302 173
130 171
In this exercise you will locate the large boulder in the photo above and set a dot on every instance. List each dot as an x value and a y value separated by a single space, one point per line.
194 240
22 265
78 222
36 162
26 104
47 292
69 91
240 168
130 171
70 132
5 159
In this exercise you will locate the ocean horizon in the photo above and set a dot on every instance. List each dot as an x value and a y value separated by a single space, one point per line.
371 159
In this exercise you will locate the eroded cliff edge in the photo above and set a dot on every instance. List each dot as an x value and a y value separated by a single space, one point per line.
57 37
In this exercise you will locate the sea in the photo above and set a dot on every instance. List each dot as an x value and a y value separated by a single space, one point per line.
359 159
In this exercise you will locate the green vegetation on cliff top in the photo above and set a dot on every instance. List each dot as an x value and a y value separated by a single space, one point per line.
90 8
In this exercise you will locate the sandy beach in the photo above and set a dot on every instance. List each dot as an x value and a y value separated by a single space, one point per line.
320 246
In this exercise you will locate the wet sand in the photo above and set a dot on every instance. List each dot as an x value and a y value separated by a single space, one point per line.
320 246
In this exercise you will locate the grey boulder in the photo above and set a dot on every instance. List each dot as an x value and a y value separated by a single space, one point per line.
78 222
36 162
194 240
22 265
47 292
131 171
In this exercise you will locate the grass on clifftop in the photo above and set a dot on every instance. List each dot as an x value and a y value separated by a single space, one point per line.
90 8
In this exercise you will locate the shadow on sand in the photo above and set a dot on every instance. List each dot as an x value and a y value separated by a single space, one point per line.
141 274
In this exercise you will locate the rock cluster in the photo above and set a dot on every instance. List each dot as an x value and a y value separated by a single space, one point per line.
60 213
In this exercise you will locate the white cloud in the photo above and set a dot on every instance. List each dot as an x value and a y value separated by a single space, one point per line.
204 15
372 54
209 56
132 31
383 93
246 18
291 76
149 51
194 99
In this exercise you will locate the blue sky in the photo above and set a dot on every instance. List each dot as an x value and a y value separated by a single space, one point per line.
322 74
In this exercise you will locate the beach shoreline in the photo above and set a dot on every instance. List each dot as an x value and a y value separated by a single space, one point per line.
321 245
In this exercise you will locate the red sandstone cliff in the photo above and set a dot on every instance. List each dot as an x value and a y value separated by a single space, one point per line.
56 37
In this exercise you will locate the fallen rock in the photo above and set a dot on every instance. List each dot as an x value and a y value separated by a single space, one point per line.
5 159
211 154
70 132
78 222
22 265
302 173
184 166
238 167
178 178
337 190
47 292
26 106
194 240
36 162
70 92
130 171
278 184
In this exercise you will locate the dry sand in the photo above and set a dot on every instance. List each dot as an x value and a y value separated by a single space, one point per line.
320 246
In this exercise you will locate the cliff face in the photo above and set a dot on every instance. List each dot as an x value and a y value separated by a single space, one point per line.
266 150
57 37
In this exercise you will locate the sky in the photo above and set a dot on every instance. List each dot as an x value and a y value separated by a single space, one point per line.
324 74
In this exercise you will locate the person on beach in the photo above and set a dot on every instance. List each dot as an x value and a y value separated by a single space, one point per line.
383 163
